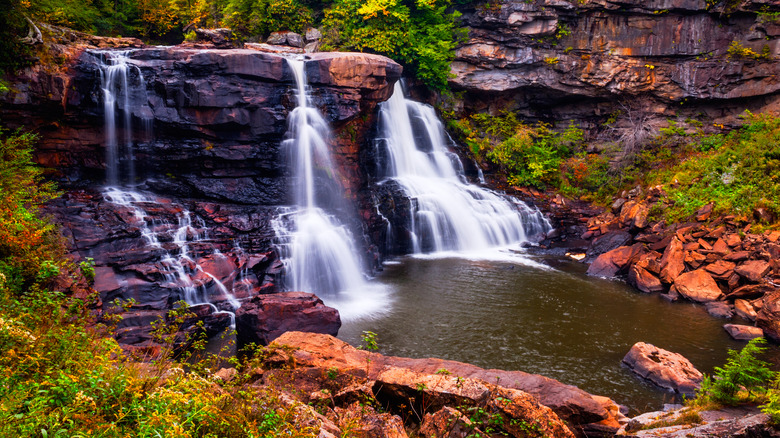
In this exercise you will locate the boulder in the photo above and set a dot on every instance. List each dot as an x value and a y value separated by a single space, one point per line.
644 280
571 404
753 270
615 261
768 318
672 262
608 242
745 309
664 368
719 309
743 332
698 286
266 317
721 269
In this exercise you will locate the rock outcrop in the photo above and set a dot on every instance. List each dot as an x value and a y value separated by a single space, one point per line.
266 317
664 368
643 61
205 127
400 378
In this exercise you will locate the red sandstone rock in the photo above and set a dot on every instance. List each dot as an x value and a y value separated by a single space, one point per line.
694 259
737 256
266 317
697 286
666 369
672 262
644 280
573 405
745 309
753 270
743 332
613 262
721 270
720 247
768 318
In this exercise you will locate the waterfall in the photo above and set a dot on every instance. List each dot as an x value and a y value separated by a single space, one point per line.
122 92
448 214
318 251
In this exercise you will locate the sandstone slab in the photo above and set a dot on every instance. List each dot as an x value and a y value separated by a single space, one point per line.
664 368
698 286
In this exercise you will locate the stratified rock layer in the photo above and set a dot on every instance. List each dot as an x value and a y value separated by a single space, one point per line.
642 61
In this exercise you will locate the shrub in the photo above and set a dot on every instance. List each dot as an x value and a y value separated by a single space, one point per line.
420 34
258 18
740 379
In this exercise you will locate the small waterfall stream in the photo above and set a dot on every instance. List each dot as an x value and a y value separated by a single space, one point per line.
448 213
123 95
318 251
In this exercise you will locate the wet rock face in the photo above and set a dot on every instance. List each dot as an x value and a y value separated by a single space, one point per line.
563 60
205 123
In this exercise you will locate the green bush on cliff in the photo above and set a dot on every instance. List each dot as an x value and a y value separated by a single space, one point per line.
420 34
258 18
739 172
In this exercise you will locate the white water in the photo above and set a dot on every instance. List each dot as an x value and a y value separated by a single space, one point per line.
177 266
448 213
318 251
120 95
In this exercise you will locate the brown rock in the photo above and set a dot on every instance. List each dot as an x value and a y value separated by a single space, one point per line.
705 212
733 240
694 259
716 233
570 403
644 280
697 286
745 309
666 369
721 270
773 236
737 256
672 262
753 270
704 244
719 309
743 332
266 317
363 422
768 318
750 291
720 247
613 262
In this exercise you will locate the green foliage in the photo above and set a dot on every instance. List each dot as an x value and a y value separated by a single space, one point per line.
30 247
369 341
738 171
258 18
420 34
742 377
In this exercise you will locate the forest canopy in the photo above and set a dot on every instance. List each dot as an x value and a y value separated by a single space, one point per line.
420 34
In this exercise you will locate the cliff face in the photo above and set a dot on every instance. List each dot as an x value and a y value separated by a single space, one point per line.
218 116
562 60
205 127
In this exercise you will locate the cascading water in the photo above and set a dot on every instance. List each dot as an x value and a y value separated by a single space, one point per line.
319 253
125 94
448 214
122 92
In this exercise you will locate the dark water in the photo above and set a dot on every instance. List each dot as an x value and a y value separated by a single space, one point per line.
551 321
